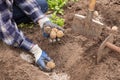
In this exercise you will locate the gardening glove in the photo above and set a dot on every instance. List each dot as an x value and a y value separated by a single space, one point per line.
41 57
45 22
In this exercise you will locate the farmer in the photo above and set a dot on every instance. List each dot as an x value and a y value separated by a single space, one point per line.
18 11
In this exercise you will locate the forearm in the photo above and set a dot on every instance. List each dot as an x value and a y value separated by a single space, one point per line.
31 8
14 37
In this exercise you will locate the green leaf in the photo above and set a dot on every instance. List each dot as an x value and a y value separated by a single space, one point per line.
57 20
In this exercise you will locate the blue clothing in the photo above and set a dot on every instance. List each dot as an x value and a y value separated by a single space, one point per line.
41 61
9 32
21 17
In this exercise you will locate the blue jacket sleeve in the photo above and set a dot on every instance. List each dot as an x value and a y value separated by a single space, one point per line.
31 8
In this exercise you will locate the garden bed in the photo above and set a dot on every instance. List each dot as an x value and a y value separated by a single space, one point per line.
74 55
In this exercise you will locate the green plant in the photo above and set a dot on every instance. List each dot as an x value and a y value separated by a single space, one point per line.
23 25
74 0
57 5
57 20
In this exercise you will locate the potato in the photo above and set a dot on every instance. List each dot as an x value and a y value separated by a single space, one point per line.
60 34
51 65
53 35
55 29
114 28
47 29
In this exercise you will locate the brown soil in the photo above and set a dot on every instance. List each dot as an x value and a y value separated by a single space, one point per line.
12 67
74 54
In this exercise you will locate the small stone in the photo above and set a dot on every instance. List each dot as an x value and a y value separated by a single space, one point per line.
96 13
54 40
50 40
58 39
94 56
114 28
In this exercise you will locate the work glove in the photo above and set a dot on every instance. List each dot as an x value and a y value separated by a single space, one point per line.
45 22
41 58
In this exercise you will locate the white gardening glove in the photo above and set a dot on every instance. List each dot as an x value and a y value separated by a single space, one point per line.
40 57
45 22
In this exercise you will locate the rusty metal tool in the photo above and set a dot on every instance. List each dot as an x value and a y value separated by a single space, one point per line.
86 25
106 46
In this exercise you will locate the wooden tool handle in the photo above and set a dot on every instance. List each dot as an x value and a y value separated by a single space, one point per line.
113 47
92 5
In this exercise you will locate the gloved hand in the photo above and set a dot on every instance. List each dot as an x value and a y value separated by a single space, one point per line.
41 58
52 25
41 61
45 22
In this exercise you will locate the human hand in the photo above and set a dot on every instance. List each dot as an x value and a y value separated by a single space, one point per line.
43 60
51 30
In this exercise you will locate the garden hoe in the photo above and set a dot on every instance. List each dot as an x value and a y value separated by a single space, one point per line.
87 26
106 46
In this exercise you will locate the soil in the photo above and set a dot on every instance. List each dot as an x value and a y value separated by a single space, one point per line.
12 67
74 54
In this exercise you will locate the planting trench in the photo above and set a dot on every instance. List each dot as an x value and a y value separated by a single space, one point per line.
74 55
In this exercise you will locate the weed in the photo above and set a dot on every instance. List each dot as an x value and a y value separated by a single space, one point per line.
57 20
25 25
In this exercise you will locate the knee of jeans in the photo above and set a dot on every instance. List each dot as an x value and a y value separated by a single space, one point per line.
44 5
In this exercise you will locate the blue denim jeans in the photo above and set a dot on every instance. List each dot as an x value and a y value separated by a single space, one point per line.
20 17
